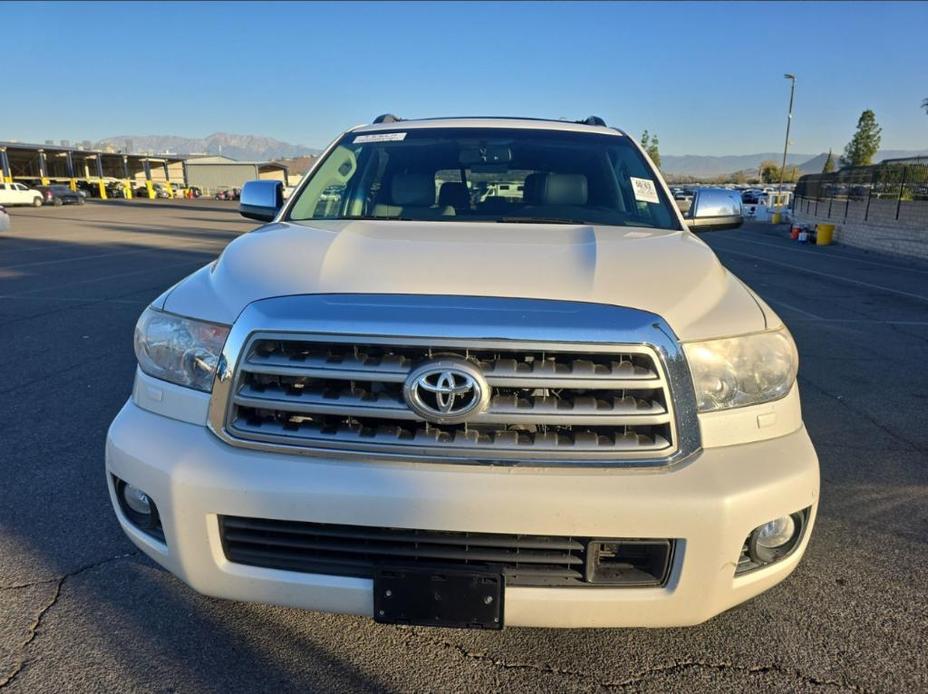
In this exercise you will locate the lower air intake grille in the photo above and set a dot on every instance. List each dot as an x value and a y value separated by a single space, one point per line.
524 560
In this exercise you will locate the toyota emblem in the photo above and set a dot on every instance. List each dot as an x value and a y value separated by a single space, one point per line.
446 391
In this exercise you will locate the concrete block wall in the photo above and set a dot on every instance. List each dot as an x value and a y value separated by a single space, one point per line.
875 228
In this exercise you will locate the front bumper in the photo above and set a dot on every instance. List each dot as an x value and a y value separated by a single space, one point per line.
710 505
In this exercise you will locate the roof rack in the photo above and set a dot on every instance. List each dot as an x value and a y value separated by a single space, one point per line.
589 120
387 118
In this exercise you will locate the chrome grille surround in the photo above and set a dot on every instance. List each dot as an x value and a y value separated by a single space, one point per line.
623 341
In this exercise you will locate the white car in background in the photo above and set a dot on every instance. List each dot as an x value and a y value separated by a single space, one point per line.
18 194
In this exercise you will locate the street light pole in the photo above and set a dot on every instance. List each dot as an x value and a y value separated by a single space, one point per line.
789 120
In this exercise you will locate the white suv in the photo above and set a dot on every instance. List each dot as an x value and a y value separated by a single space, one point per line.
18 194
407 399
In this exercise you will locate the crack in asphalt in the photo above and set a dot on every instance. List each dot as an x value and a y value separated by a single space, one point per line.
637 679
746 669
498 662
20 660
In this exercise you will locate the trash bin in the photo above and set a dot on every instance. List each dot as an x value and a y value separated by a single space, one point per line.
824 234
775 218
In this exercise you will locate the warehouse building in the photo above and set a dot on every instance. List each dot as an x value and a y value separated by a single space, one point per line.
214 173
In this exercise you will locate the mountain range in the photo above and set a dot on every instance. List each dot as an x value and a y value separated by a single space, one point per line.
241 147
260 148
700 165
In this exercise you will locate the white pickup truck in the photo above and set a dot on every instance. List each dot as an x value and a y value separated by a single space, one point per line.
404 400
18 194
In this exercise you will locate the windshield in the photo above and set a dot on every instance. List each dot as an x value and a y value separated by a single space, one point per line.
486 174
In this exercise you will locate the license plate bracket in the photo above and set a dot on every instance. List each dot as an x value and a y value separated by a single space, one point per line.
438 597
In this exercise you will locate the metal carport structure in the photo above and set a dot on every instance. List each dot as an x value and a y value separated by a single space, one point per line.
48 163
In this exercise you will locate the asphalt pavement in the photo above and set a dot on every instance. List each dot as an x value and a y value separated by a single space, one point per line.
81 610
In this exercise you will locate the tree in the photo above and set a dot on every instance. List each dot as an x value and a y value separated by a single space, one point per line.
649 144
769 171
829 164
925 105
865 143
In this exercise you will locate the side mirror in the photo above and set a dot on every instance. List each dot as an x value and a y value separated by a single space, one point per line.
714 209
261 200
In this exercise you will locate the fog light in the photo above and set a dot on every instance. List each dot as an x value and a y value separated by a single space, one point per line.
138 508
776 533
137 500
772 541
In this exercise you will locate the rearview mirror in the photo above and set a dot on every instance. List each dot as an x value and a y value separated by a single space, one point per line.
485 154
714 209
261 200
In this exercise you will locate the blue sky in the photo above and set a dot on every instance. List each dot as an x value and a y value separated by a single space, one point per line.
706 77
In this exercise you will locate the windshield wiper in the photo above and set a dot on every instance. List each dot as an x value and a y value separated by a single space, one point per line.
540 220
376 217
500 220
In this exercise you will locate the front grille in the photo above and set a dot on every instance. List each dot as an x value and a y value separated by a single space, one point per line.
523 560
605 402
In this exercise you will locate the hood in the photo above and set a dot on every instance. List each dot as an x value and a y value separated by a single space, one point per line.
672 274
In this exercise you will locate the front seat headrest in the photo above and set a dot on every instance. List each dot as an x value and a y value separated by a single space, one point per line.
564 189
531 188
454 194
413 190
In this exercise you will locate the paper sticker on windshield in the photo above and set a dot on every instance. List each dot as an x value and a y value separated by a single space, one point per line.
379 137
645 191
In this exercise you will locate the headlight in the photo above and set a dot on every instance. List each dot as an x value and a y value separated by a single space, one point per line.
741 371
180 350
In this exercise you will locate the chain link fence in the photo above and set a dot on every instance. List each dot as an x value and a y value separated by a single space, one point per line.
892 190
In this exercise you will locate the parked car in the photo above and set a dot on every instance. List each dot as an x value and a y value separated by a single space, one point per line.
4 219
859 192
228 194
57 194
400 404
90 188
115 190
159 190
683 199
20 194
